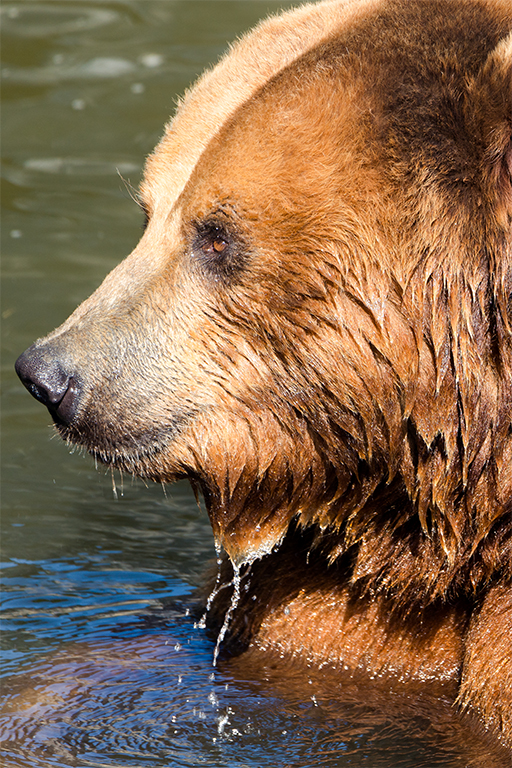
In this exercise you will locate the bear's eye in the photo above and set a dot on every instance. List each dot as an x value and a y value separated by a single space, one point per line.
218 252
214 243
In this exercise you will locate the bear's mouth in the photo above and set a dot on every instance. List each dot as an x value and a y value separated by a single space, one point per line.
144 452
150 454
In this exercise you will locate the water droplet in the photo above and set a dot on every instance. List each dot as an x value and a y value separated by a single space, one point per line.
221 724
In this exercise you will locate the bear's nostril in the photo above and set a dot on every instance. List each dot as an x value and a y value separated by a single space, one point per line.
67 407
45 378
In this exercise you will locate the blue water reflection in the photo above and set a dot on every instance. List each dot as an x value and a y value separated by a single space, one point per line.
47 603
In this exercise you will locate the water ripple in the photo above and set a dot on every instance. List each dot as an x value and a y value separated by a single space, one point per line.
41 20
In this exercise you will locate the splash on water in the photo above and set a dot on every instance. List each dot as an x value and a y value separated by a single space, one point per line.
223 721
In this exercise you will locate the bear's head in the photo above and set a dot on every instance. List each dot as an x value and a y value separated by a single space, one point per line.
316 325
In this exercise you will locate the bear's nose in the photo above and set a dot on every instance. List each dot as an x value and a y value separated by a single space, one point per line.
47 380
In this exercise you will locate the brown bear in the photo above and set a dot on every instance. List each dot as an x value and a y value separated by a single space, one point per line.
316 330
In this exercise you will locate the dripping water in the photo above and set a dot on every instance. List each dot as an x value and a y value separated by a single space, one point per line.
235 597
114 485
201 624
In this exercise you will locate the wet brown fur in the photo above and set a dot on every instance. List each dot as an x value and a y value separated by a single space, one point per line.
316 328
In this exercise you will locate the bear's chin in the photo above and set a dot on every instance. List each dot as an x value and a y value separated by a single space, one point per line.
156 454
251 543
146 449
140 454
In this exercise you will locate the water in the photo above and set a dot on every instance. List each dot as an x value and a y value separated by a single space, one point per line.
104 661
235 599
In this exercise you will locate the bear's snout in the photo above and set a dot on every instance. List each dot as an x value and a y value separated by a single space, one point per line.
48 381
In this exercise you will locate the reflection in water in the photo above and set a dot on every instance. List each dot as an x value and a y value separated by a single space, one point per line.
101 67
152 695
44 20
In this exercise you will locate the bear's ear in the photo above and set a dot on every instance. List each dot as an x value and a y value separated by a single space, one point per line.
492 100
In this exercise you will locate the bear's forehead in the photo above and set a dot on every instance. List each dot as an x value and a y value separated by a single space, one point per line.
367 65
278 156
251 63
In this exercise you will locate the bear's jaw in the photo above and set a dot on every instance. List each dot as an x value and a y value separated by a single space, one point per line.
260 541
142 453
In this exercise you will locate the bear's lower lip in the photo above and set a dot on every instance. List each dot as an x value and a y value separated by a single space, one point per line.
143 452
